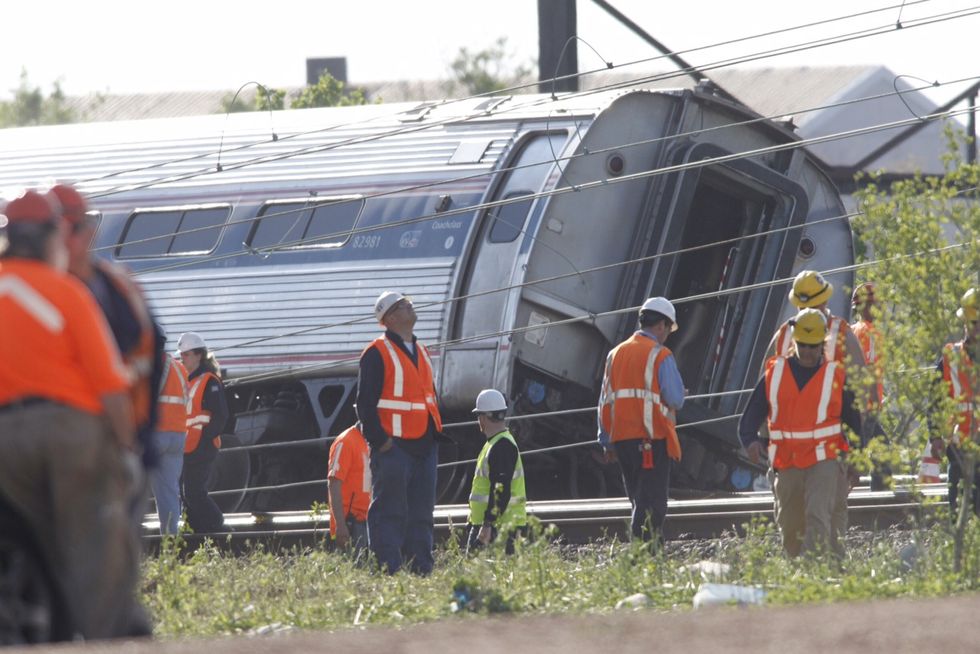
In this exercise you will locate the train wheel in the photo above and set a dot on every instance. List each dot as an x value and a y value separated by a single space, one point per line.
232 471
27 605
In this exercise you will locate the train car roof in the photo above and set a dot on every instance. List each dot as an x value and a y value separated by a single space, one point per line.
101 156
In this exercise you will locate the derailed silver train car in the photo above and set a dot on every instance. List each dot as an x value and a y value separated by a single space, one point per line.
519 225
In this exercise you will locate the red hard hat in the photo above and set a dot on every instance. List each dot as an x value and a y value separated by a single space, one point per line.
32 207
73 205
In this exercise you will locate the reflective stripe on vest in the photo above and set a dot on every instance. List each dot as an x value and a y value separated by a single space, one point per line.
174 399
197 416
46 314
515 514
408 398
959 377
630 404
807 429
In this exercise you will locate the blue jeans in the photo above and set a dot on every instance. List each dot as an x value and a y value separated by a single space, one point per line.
165 478
403 490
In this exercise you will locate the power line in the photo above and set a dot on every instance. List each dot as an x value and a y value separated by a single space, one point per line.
591 317
962 13
315 201
518 87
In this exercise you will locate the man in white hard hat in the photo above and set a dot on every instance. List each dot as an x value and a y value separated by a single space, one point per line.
641 391
400 420
497 498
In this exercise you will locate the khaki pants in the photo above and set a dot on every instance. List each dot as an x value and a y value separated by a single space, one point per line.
807 506
61 469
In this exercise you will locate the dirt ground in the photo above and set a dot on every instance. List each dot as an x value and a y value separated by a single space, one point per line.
943 625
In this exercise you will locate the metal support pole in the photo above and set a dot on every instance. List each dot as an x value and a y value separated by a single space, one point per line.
971 128
556 25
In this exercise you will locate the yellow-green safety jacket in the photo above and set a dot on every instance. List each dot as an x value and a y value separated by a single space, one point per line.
515 515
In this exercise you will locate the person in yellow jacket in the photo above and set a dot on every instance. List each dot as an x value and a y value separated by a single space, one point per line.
641 391
958 369
498 499
804 400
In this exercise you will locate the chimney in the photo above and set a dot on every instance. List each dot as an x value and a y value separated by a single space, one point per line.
336 66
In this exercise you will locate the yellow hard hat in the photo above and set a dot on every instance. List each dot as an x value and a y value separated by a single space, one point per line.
809 327
810 289
968 311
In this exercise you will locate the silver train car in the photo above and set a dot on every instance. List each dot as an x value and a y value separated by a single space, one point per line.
519 225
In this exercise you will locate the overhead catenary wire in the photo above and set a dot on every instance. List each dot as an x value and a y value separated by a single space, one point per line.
962 13
306 442
590 317
518 87
642 174
778 147
316 201
527 453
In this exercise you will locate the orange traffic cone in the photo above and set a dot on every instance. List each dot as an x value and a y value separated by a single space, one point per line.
928 467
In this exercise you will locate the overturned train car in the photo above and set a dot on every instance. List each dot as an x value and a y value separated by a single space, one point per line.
519 225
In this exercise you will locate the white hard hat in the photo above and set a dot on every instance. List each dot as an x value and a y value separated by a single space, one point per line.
384 303
661 305
189 341
490 401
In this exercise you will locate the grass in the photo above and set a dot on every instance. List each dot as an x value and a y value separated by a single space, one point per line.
211 592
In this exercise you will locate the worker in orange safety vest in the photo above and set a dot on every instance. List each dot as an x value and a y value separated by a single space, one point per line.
804 398
400 420
957 365
811 290
138 337
863 302
641 392
206 420
66 433
174 407
349 489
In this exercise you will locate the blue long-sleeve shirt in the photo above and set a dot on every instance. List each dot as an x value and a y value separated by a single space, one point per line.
671 387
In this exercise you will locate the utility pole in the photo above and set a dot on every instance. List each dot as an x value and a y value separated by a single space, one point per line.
556 25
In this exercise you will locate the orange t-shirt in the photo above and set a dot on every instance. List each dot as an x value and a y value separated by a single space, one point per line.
350 464
54 341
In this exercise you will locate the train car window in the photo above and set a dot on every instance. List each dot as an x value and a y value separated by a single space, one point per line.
331 223
199 231
148 234
530 168
280 223
509 219
177 231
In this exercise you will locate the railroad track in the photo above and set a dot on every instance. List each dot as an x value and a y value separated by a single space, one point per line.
580 520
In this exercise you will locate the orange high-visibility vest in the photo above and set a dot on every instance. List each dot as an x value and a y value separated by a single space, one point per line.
631 407
198 417
958 373
350 462
834 348
138 361
174 400
408 397
869 338
54 341
804 424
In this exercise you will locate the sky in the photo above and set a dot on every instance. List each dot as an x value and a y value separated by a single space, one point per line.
131 46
